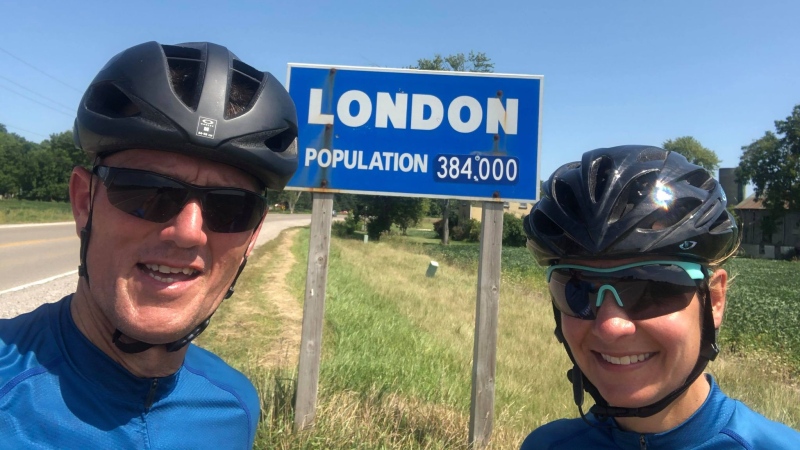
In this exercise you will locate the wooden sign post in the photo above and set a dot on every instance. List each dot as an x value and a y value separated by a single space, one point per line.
484 355
313 311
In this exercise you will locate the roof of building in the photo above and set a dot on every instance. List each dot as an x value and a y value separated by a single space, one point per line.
750 203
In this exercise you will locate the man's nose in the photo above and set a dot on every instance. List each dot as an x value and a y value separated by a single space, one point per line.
186 228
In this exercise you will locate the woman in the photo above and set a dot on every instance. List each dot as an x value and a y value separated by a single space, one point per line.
648 230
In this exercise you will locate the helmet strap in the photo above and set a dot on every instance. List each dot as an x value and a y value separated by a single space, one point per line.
86 231
139 346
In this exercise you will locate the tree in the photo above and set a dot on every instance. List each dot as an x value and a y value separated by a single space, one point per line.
13 149
772 165
290 200
38 171
474 62
383 211
694 152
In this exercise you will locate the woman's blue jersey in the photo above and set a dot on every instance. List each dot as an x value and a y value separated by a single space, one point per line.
58 390
720 423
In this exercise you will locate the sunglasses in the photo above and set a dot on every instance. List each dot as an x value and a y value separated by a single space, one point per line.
644 290
159 198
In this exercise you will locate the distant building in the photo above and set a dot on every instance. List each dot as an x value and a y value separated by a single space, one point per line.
733 189
473 210
785 242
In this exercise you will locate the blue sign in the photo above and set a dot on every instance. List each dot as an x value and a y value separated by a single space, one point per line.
417 133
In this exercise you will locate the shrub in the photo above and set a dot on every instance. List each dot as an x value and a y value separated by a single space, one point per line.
470 230
513 233
345 228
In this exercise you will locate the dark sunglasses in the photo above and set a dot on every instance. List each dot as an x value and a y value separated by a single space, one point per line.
159 198
644 290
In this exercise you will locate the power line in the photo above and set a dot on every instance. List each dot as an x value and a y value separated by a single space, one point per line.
23 129
38 70
36 93
36 101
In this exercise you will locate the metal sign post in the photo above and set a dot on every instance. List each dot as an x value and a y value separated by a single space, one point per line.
415 133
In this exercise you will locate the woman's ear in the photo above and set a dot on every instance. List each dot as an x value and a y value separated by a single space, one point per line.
79 197
718 286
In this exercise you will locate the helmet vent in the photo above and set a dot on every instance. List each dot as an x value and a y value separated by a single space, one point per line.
565 197
601 173
242 92
545 226
282 141
721 224
637 190
183 74
108 100
185 64
248 71
651 154
700 179
665 218
278 141
180 52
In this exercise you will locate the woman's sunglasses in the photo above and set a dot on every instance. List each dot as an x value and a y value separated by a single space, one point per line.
159 198
644 290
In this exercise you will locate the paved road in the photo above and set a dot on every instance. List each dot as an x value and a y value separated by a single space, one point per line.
38 263
29 253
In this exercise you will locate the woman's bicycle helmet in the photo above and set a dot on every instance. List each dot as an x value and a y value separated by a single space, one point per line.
628 202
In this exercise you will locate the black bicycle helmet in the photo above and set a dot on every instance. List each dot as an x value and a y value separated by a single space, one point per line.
631 201
625 201
197 99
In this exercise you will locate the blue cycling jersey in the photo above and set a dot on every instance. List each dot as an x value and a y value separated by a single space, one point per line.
58 390
720 423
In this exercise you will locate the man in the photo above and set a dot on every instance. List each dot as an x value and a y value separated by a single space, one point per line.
184 139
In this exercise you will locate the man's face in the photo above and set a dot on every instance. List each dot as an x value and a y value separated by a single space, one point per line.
155 282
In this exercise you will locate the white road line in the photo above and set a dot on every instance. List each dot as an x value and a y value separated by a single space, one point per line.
29 225
46 280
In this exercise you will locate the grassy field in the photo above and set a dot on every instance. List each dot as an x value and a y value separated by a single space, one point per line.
26 211
397 347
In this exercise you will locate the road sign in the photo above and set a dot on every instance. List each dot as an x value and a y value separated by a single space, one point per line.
417 133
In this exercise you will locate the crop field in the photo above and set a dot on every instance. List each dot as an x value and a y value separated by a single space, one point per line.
763 311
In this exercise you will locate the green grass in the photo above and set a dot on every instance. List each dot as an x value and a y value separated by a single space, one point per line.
397 348
517 264
27 211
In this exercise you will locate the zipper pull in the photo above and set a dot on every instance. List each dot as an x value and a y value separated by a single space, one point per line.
151 395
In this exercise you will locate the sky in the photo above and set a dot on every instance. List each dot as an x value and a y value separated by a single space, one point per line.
615 72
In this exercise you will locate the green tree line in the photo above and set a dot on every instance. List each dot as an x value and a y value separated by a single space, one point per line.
38 171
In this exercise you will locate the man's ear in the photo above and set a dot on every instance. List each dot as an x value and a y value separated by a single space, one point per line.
79 197
718 286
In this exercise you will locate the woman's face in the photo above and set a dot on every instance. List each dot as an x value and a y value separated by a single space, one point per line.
636 362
